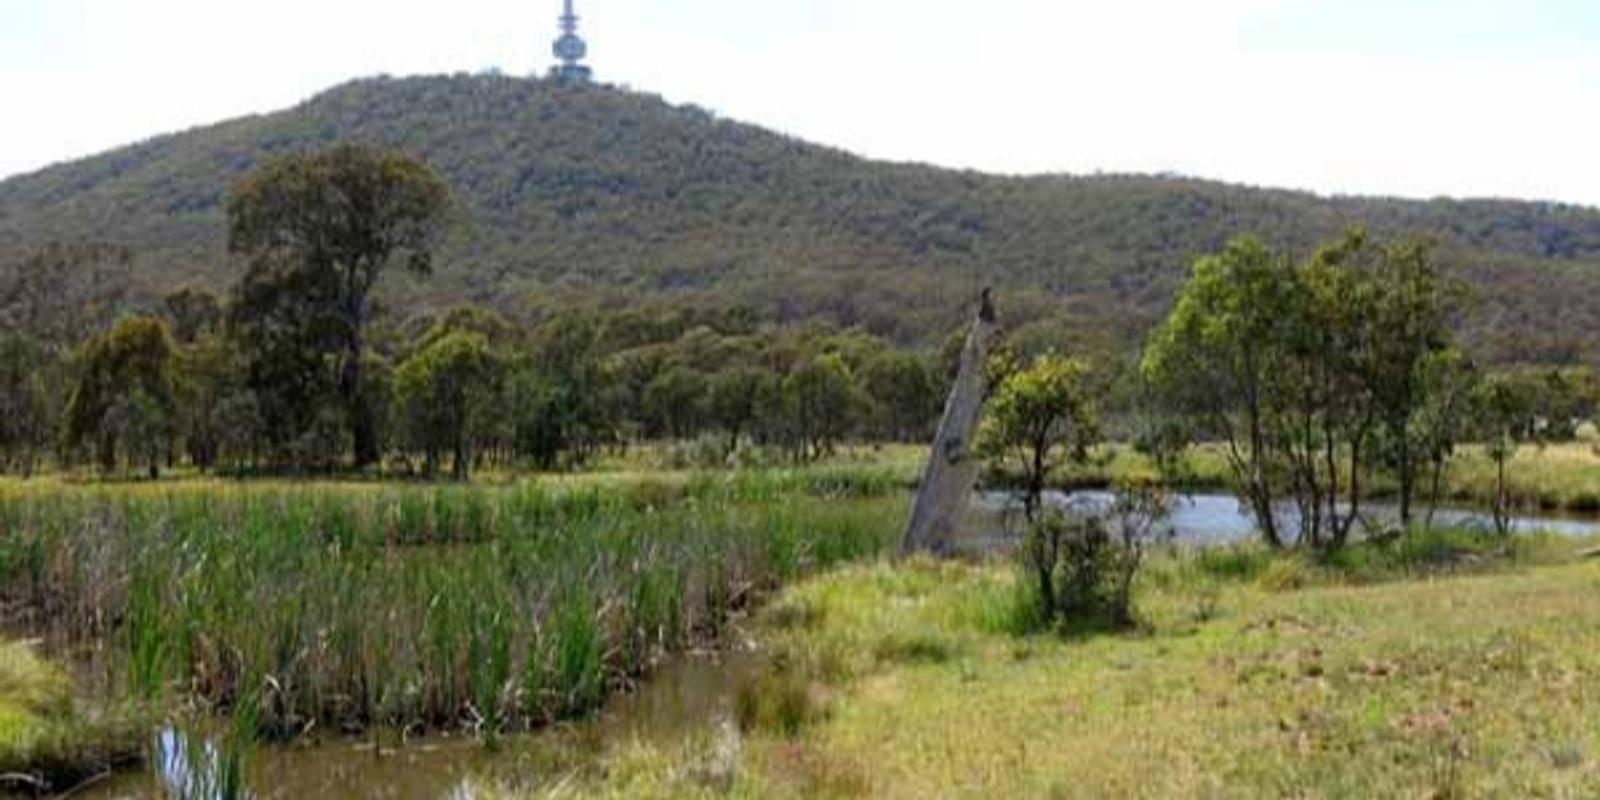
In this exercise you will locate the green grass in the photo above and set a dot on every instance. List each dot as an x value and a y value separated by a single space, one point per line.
1416 680
415 607
1555 477
48 741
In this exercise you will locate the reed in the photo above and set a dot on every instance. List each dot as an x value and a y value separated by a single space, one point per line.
345 607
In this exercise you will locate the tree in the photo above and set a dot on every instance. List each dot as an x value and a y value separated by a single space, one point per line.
733 401
26 420
1445 420
321 229
904 394
214 408
1217 356
820 398
444 393
1038 417
674 403
561 393
1503 412
124 395
1409 309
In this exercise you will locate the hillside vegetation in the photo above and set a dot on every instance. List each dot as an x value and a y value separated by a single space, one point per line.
599 195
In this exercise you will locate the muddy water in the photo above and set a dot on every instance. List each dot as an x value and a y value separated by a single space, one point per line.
687 698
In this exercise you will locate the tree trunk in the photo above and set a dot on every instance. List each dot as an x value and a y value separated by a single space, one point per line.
363 428
952 471
1435 487
461 469
1407 481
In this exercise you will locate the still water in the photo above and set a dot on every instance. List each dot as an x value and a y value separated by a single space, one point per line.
1209 519
688 697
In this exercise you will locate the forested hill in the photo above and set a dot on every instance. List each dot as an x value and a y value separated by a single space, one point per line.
588 194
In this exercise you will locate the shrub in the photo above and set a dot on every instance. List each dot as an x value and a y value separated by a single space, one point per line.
1082 568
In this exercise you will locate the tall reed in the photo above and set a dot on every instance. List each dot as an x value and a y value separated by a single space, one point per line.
486 608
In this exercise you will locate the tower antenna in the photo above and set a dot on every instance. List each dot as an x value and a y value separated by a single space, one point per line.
570 49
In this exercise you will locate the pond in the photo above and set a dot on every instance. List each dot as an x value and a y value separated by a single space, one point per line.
1209 519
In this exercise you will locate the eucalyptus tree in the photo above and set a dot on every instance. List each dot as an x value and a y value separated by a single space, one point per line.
26 416
820 400
319 230
124 396
1445 419
1410 306
1039 416
446 393
1503 413
1217 358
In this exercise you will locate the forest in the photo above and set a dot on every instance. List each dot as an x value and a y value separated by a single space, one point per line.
604 198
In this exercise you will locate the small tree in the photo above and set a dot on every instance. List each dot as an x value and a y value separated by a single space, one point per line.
443 392
734 401
820 396
1038 417
124 395
25 413
904 393
1504 417
1445 419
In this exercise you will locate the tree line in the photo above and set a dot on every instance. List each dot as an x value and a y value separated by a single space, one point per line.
469 389
298 369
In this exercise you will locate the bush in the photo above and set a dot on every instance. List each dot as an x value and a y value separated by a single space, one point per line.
1081 568
1588 433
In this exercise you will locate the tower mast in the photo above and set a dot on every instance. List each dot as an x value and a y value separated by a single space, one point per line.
570 49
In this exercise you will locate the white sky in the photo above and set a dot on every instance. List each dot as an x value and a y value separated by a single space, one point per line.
1406 97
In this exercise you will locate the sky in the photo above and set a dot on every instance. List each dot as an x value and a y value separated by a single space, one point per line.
1415 98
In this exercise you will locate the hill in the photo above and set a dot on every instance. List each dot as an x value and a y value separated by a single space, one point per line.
589 194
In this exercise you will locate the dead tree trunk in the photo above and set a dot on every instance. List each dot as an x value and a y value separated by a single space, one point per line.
952 471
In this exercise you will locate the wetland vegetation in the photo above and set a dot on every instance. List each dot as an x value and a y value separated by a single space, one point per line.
230 523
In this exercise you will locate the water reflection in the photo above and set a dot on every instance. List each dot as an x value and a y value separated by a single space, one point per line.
193 766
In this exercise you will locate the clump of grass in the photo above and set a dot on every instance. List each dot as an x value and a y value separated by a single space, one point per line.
782 699
47 742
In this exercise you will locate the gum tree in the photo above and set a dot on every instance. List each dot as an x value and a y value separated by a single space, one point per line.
319 230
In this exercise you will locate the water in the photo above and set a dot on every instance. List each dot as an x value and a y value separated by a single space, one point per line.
1210 519
688 697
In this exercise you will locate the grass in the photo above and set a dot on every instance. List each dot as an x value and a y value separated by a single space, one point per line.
1404 674
412 607
48 741
1553 477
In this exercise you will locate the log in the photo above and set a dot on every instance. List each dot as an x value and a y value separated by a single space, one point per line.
952 472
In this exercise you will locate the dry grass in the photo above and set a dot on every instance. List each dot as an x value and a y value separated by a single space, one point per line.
1481 685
